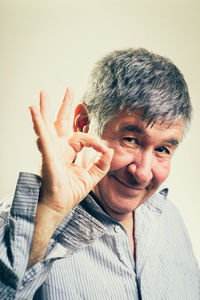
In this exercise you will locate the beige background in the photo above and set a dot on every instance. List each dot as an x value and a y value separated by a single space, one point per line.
53 44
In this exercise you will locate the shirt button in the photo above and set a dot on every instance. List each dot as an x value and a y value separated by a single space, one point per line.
117 229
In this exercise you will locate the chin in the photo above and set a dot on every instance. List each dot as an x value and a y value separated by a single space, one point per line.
125 205
120 204
119 199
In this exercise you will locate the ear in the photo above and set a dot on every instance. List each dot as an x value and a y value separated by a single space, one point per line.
81 118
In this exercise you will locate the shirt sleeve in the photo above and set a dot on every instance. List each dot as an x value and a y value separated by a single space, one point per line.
16 231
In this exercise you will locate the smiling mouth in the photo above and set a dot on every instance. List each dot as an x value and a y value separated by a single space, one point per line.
133 187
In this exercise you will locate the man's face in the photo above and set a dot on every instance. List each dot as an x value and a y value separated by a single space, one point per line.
141 161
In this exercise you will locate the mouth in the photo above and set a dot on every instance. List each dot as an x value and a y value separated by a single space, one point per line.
130 186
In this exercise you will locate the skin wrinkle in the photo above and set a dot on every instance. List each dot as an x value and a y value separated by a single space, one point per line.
136 129
121 190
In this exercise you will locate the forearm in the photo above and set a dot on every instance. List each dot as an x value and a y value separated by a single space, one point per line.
46 222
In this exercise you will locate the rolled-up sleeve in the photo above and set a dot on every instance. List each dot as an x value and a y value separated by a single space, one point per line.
16 231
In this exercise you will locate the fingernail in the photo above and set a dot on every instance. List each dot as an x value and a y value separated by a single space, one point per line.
66 95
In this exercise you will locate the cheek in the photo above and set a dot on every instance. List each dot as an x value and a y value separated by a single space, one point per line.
121 158
161 171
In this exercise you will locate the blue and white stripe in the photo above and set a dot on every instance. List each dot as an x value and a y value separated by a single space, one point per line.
89 255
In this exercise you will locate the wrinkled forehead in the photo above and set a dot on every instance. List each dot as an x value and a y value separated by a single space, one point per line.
134 121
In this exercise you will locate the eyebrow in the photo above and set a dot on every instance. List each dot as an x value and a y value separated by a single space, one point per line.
137 129
173 142
133 128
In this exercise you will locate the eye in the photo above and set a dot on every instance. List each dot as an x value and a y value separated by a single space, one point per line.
163 150
130 141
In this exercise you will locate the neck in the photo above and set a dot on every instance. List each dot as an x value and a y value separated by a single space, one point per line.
125 219
128 222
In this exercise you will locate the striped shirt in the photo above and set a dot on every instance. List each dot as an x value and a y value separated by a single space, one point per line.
89 255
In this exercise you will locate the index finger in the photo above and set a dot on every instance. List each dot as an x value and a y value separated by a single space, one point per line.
65 110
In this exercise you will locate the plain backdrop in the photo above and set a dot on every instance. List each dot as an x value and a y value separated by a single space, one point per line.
53 44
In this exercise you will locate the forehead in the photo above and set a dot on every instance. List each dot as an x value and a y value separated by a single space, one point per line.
126 121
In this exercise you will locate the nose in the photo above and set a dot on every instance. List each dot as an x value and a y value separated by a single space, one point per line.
142 167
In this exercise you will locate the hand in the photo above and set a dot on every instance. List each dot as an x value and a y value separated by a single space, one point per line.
64 184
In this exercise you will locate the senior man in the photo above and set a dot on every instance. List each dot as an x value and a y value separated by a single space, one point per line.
97 223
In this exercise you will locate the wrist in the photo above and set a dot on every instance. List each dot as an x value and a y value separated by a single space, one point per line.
47 219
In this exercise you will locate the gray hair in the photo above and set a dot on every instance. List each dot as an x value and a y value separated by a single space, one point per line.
136 79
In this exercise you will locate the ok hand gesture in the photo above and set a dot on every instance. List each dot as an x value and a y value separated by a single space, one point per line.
64 184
